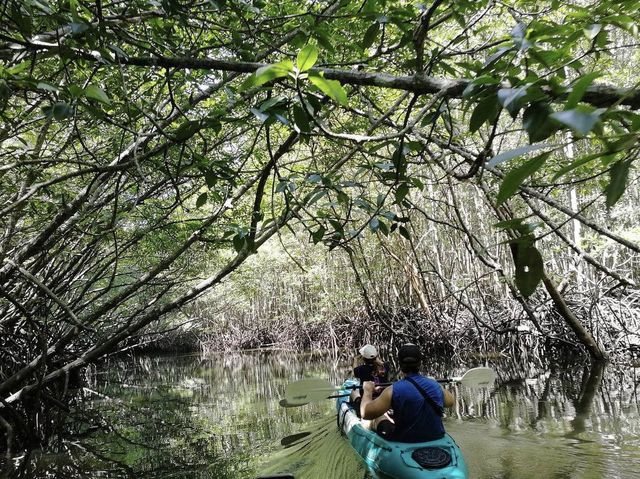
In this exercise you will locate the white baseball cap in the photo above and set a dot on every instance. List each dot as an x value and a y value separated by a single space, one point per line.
368 352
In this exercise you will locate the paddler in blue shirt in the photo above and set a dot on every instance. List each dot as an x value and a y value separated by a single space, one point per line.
411 409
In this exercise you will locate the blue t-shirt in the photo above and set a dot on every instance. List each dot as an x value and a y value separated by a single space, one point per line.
415 419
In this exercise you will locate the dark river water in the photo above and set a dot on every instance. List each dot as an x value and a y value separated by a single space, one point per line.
219 417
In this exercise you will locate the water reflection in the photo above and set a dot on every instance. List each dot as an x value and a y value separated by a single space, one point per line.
218 417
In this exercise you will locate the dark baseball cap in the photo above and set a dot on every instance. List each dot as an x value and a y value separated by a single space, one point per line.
409 353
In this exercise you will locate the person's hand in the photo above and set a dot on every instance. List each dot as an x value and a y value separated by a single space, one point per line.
368 387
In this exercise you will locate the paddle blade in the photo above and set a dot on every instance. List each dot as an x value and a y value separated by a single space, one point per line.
482 377
277 476
293 439
308 390
284 403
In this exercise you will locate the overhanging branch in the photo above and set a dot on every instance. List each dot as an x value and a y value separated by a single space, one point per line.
599 94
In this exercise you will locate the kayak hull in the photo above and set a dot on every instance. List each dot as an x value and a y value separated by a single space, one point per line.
388 459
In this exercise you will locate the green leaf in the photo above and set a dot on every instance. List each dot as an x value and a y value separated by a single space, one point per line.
592 30
259 114
75 91
404 232
47 87
416 146
374 224
186 130
307 57
515 177
272 102
331 88
73 7
496 56
486 110
343 198
401 192
536 121
473 85
510 98
576 164
201 200
78 28
282 186
618 175
370 35
323 39
59 111
19 68
511 154
268 73
96 93
301 119
22 21
529 267
318 234
514 223
210 178
580 121
238 242
212 123
337 226
579 88
5 90
624 142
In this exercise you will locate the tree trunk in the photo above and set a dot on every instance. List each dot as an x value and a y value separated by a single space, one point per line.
595 349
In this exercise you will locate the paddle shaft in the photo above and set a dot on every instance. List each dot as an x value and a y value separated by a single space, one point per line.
310 390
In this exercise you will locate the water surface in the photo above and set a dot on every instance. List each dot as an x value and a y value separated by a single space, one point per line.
219 417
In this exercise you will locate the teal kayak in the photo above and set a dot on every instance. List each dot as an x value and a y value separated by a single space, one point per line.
440 459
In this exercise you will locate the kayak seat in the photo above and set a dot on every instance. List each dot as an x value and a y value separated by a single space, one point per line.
432 457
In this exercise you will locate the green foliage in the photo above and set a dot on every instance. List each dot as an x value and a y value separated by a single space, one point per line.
268 73
529 265
516 153
331 88
579 120
515 177
486 111
307 58
579 88
96 93
618 173
147 145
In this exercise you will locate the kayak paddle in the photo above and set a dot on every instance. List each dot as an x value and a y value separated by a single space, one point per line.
481 377
293 438
305 391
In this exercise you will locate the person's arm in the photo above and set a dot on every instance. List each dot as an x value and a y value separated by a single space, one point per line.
449 399
372 408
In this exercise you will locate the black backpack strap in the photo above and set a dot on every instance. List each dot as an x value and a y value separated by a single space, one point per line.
439 411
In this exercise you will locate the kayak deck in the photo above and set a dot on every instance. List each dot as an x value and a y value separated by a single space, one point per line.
397 460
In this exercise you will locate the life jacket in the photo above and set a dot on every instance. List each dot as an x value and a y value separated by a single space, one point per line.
416 420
